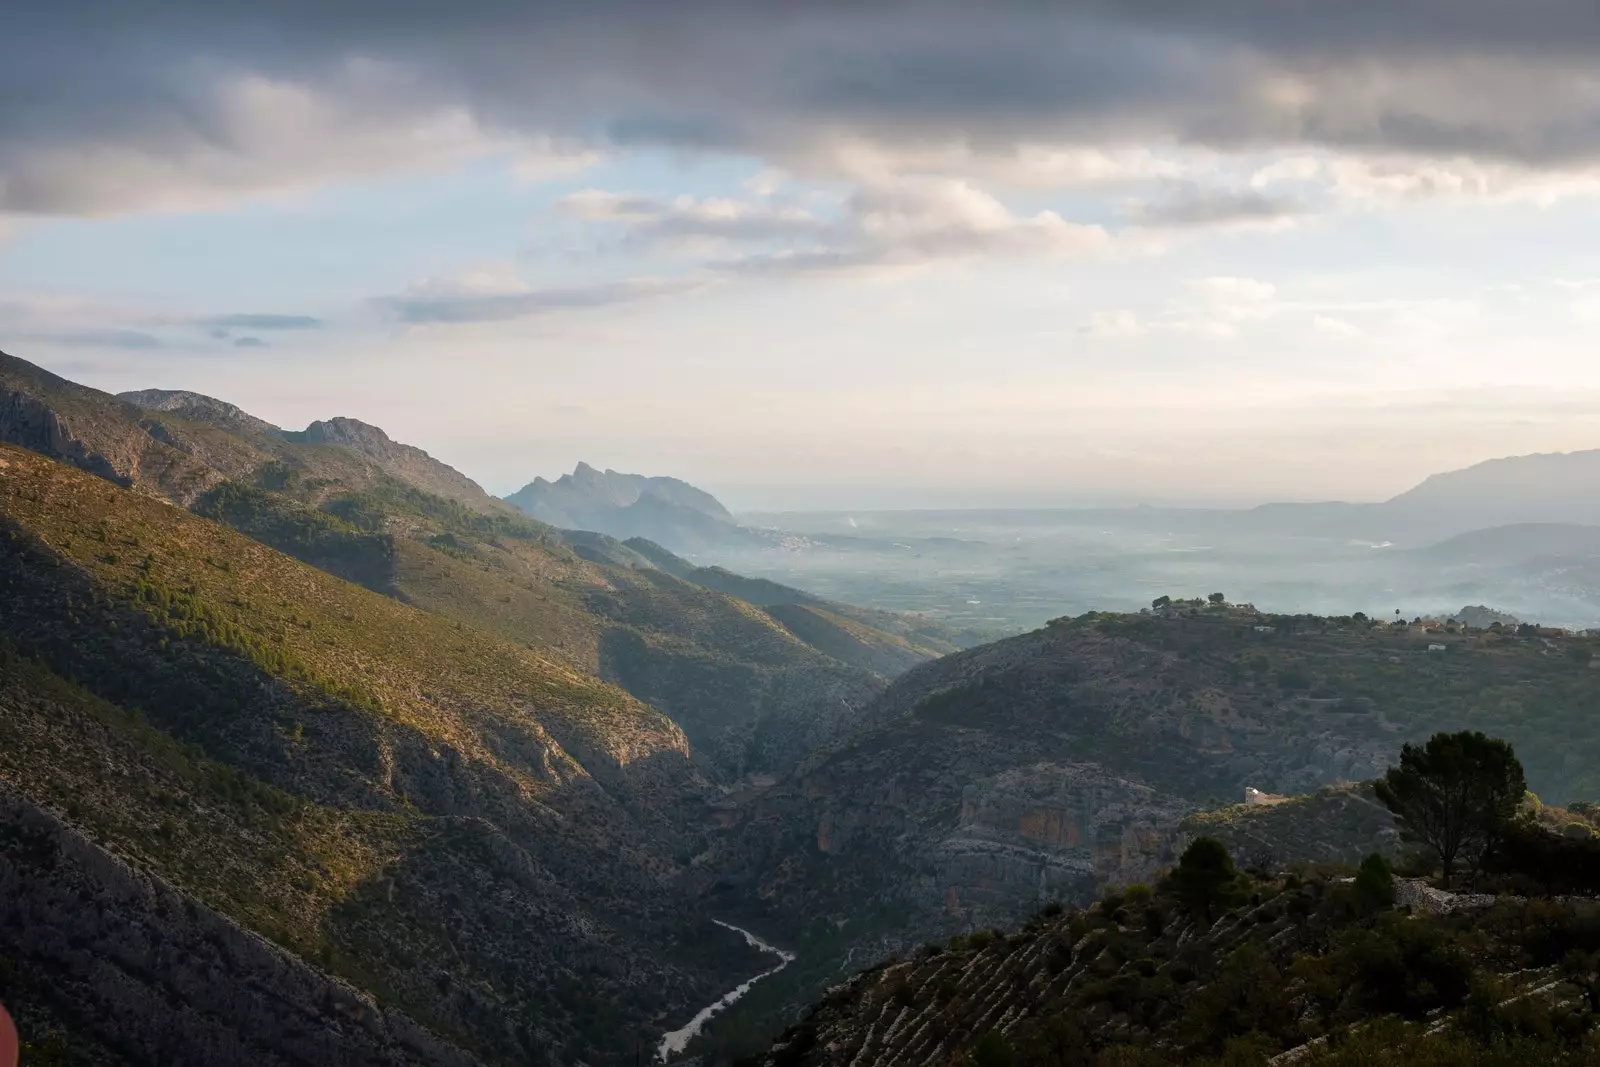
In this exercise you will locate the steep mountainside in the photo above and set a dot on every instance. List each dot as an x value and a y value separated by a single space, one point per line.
180 445
1046 766
752 694
406 463
407 802
665 510
115 439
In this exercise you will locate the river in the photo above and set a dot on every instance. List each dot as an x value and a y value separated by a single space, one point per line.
678 1040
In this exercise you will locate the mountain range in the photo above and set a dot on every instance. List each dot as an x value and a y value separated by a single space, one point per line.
1552 488
314 752
360 708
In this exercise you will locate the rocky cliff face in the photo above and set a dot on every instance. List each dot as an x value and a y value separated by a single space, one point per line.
197 407
99 434
407 463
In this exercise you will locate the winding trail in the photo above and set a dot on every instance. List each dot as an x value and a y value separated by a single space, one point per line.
678 1040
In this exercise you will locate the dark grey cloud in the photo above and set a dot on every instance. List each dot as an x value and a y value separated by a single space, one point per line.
220 325
430 305
1196 205
107 105
249 342
133 340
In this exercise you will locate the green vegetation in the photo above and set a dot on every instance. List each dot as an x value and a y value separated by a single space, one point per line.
1534 690
1456 795
399 799
1205 878
1307 960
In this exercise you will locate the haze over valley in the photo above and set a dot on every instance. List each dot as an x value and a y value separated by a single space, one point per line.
1521 534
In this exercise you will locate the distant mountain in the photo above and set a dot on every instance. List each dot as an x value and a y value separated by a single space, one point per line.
1519 543
1555 487
668 511
1548 488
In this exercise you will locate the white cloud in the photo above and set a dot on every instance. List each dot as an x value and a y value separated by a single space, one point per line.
544 158
1231 291
891 224
1115 326
1333 326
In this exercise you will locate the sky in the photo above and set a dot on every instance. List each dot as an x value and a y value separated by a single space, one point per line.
827 254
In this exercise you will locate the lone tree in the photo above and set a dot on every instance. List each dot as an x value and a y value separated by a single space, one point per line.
1455 795
1206 879
1218 598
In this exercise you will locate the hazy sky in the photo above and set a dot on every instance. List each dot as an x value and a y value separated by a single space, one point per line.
830 253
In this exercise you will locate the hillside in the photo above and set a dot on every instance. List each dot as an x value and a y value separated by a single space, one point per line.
401 800
1049 765
751 693
1305 969
879 641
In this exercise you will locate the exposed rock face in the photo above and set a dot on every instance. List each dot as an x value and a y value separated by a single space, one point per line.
199 408
158 976
97 433
1048 832
406 462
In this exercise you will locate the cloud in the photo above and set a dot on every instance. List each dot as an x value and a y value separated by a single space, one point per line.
891 223
1194 205
1114 326
1333 326
686 220
249 342
110 107
437 302
1233 291
220 325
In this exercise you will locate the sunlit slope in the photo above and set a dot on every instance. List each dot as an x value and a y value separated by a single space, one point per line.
404 798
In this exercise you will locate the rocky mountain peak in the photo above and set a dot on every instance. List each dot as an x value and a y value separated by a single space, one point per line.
340 430
197 407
